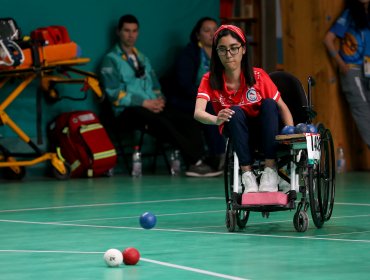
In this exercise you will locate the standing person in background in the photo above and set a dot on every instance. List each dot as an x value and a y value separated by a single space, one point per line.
352 29
191 65
247 104
135 95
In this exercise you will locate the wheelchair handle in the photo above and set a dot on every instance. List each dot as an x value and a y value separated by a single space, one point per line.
311 113
311 83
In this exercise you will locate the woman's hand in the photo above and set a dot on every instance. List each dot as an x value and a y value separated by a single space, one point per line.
224 116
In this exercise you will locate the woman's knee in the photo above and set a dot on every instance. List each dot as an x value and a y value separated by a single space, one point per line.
238 113
268 104
238 119
236 109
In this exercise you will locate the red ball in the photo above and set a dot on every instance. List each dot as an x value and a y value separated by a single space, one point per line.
131 256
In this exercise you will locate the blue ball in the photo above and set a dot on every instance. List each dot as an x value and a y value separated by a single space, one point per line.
300 128
288 129
311 128
148 220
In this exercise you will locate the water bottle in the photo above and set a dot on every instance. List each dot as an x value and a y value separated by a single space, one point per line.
341 161
136 162
175 163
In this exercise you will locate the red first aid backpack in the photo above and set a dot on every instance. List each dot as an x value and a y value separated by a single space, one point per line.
52 35
83 143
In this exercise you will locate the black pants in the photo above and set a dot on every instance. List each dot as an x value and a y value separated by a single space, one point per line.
249 133
169 126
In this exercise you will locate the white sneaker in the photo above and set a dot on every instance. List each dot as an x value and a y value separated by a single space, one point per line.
249 181
269 180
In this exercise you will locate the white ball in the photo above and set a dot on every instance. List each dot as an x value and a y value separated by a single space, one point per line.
113 257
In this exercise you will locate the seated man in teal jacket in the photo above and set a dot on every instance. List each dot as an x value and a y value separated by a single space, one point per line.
134 92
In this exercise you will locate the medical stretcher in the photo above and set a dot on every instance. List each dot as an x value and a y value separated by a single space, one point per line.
49 73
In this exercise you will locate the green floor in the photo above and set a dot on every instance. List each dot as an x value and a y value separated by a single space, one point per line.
60 230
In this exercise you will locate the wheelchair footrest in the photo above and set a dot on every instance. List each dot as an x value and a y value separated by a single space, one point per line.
265 198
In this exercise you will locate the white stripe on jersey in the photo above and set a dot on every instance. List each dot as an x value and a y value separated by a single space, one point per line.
204 95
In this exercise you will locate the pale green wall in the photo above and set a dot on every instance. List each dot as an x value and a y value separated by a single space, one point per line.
164 29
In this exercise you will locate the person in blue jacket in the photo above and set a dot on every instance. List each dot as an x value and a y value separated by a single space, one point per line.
352 30
134 92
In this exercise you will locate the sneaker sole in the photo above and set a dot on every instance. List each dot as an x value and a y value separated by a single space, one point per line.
212 174
251 191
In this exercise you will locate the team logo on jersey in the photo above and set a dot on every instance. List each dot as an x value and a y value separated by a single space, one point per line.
251 95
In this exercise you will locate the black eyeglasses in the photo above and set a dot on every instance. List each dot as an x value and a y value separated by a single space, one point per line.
232 50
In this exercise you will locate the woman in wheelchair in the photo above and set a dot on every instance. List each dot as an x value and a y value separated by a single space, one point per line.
248 106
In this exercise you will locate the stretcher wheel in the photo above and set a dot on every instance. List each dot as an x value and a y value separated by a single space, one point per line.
300 221
61 176
230 220
14 173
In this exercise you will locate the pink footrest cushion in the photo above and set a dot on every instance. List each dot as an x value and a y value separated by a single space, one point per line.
265 198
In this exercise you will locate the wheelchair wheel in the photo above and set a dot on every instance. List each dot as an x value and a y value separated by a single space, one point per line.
321 180
300 221
230 220
327 171
242 217
315 196
239 217
228 171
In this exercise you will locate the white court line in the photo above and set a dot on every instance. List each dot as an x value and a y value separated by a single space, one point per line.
108 204
286 221
193 231
352 204
352 216
344 233
187 268
201 271
135 217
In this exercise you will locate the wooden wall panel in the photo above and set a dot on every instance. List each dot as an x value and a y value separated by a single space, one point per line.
304 24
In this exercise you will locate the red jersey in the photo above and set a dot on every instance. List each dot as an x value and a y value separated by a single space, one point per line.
248 98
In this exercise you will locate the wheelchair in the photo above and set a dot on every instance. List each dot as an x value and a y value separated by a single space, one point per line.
305 162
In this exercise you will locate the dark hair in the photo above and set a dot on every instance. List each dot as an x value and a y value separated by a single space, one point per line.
198 26
217 69
127 19
358 13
